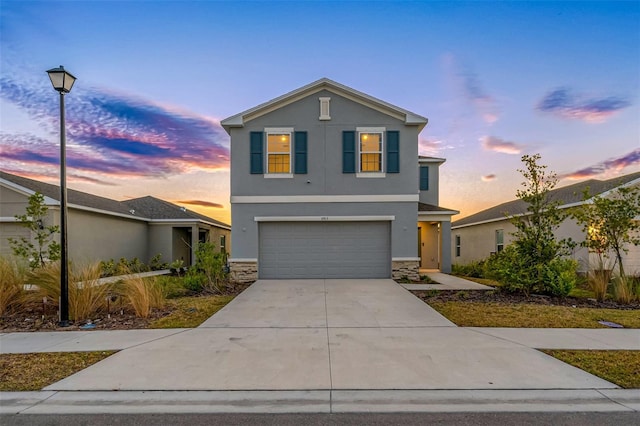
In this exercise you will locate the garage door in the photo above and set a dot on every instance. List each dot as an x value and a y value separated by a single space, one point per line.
324 250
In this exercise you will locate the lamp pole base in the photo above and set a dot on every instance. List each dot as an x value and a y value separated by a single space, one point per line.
64 323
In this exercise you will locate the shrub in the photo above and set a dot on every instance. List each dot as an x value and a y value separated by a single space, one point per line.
143 294
598 281
623 291
86 296
560 276
473 269
12 279
513 271
156 263
208 273
172 286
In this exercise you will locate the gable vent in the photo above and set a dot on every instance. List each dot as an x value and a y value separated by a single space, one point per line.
324 109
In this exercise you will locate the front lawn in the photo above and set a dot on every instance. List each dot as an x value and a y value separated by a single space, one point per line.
34 371
477 308
619 367
476 314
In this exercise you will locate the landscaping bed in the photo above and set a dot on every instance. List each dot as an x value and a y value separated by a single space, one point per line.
481 308
493 296
176 312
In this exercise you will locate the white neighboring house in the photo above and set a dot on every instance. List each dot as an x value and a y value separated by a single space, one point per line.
477 236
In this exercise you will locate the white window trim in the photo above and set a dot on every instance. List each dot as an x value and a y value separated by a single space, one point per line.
381 173
278 130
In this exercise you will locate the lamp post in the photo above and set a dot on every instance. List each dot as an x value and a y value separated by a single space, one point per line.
62 82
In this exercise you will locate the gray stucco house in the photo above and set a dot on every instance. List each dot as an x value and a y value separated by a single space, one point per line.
101 228
326 182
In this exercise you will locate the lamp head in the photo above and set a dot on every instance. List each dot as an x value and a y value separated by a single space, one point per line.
61 79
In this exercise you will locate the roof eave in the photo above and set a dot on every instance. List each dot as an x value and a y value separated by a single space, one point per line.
410 119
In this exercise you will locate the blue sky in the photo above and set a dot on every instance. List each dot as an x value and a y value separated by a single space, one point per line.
496 79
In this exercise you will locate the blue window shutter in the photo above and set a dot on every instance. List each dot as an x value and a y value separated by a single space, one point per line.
424 178
257 157
348 151
393 151
300 165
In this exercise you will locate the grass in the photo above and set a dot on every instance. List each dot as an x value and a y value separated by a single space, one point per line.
477 314
34 371
485 281
191 311
619 367
143 294
12 277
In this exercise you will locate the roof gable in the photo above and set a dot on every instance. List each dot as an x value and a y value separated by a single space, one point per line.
567 196
408 117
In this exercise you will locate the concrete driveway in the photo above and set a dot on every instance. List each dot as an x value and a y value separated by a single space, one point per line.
329 335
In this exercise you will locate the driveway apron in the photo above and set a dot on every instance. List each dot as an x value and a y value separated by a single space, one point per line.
328 334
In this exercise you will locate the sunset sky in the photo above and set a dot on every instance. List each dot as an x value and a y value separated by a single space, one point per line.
496 80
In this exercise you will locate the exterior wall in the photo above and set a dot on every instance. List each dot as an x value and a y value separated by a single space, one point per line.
405 269
432 195
324 152
161 242
13 203
478 241
94 237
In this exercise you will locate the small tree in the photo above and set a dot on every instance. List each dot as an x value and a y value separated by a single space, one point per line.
45 248
609 222
535 246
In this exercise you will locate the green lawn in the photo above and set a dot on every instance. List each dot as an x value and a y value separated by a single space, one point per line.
493 314
619 367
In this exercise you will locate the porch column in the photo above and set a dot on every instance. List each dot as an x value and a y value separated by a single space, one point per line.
445 236
194 243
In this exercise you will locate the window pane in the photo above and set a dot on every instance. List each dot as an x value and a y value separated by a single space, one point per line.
370 142
278 142
370 162
278 163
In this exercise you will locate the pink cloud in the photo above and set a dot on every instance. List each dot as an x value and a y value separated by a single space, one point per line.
492 143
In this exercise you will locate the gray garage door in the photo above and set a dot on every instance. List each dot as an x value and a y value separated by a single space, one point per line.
324 250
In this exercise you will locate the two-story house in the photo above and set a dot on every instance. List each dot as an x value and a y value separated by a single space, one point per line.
326 183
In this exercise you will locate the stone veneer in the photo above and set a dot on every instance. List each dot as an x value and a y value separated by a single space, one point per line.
243 271
405 268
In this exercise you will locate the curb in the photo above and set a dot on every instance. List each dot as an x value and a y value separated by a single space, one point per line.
320 401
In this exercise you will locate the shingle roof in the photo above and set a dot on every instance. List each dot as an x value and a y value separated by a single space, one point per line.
73 197
566 195
424 207
144 207
155 208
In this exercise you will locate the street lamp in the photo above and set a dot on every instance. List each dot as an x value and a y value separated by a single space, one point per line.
62 81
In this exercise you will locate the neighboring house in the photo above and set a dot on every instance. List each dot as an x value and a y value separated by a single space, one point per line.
477 236
326 183
101 229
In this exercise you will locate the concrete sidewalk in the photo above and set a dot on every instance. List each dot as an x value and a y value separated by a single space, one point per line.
446 282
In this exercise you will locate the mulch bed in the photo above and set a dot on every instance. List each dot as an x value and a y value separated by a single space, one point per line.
35 319
496 296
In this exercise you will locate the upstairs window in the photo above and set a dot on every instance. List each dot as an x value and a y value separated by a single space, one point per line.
278 151
370 151
424 178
